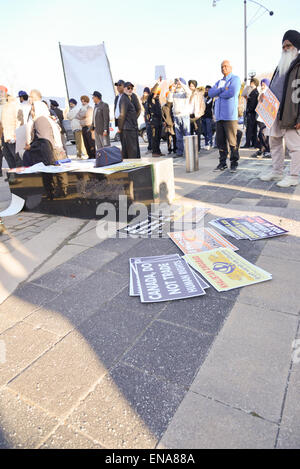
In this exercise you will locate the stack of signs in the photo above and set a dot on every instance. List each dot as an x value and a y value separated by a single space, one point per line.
193 241
158 223
164 278
151 227
247 227
226 270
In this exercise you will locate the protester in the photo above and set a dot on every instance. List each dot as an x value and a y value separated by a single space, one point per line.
85 116
127 123
226 94
100 121
207 120
120 88
76 128
287 124
262 138
168 122
9 125
54 107
144 101
251 116
197 108
41 147
181 111
24 108
154 108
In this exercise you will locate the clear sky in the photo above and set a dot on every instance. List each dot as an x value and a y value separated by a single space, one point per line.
190 38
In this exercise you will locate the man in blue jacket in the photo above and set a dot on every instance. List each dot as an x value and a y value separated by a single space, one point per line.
226 93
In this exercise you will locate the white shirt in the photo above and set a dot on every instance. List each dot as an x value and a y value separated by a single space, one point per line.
117 111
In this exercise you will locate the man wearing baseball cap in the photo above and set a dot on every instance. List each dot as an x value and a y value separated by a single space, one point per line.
285 86
100 121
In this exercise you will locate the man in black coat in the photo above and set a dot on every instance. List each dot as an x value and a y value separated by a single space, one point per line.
100 121
154 108
252 101
127 123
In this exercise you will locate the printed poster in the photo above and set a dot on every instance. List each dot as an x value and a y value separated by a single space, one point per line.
167 280
225 270
268 108
193 241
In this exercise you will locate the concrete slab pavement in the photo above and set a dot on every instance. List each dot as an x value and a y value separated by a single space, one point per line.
101 370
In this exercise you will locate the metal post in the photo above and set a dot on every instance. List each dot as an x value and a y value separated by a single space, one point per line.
63 66
191 153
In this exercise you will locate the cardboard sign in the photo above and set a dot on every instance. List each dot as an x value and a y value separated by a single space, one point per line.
268 108
248 227
193 241
225 269
167 280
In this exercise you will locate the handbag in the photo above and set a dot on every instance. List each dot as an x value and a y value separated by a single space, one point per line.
107 156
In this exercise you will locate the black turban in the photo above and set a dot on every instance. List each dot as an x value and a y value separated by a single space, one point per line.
292 36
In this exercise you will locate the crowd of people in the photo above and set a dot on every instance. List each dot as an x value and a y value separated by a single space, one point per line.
184 109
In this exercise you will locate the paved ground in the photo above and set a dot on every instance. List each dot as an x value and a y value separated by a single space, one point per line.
88 367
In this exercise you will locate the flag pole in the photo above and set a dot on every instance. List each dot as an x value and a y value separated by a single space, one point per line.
63 66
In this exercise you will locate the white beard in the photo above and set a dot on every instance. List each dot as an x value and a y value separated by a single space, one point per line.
287 58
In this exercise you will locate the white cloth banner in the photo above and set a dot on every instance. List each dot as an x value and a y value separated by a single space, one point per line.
87 70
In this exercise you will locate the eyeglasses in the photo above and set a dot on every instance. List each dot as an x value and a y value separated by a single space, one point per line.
287 46
129 87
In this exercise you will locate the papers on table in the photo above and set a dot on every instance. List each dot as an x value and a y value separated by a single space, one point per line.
78 166
248 227
225 270
164 278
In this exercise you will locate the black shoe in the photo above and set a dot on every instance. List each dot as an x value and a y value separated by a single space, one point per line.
233 168
221 167
267 154
256 154
246 146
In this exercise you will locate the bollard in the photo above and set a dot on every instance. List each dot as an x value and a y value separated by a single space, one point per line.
191 153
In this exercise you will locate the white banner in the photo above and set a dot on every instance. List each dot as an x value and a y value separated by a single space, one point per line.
87 70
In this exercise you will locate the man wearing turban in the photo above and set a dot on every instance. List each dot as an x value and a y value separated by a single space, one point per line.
285 84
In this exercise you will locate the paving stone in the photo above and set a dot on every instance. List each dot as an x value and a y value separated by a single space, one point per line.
158 352
111 333
26 298
279 293
93 259
206 314
119 245
289 434
147 247
201 423
22 425
62 376
63 276
249 363
67 438
22 344
272 202
128 409
79 302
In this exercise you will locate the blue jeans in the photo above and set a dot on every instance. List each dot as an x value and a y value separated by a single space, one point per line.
207 130
182 128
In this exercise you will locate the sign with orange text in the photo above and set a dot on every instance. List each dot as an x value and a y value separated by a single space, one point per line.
268 108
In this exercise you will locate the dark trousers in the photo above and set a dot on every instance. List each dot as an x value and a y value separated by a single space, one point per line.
227 136
207 130
263 141
196 129
156 136
9 152
130 144
88 141
149 135
251 129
